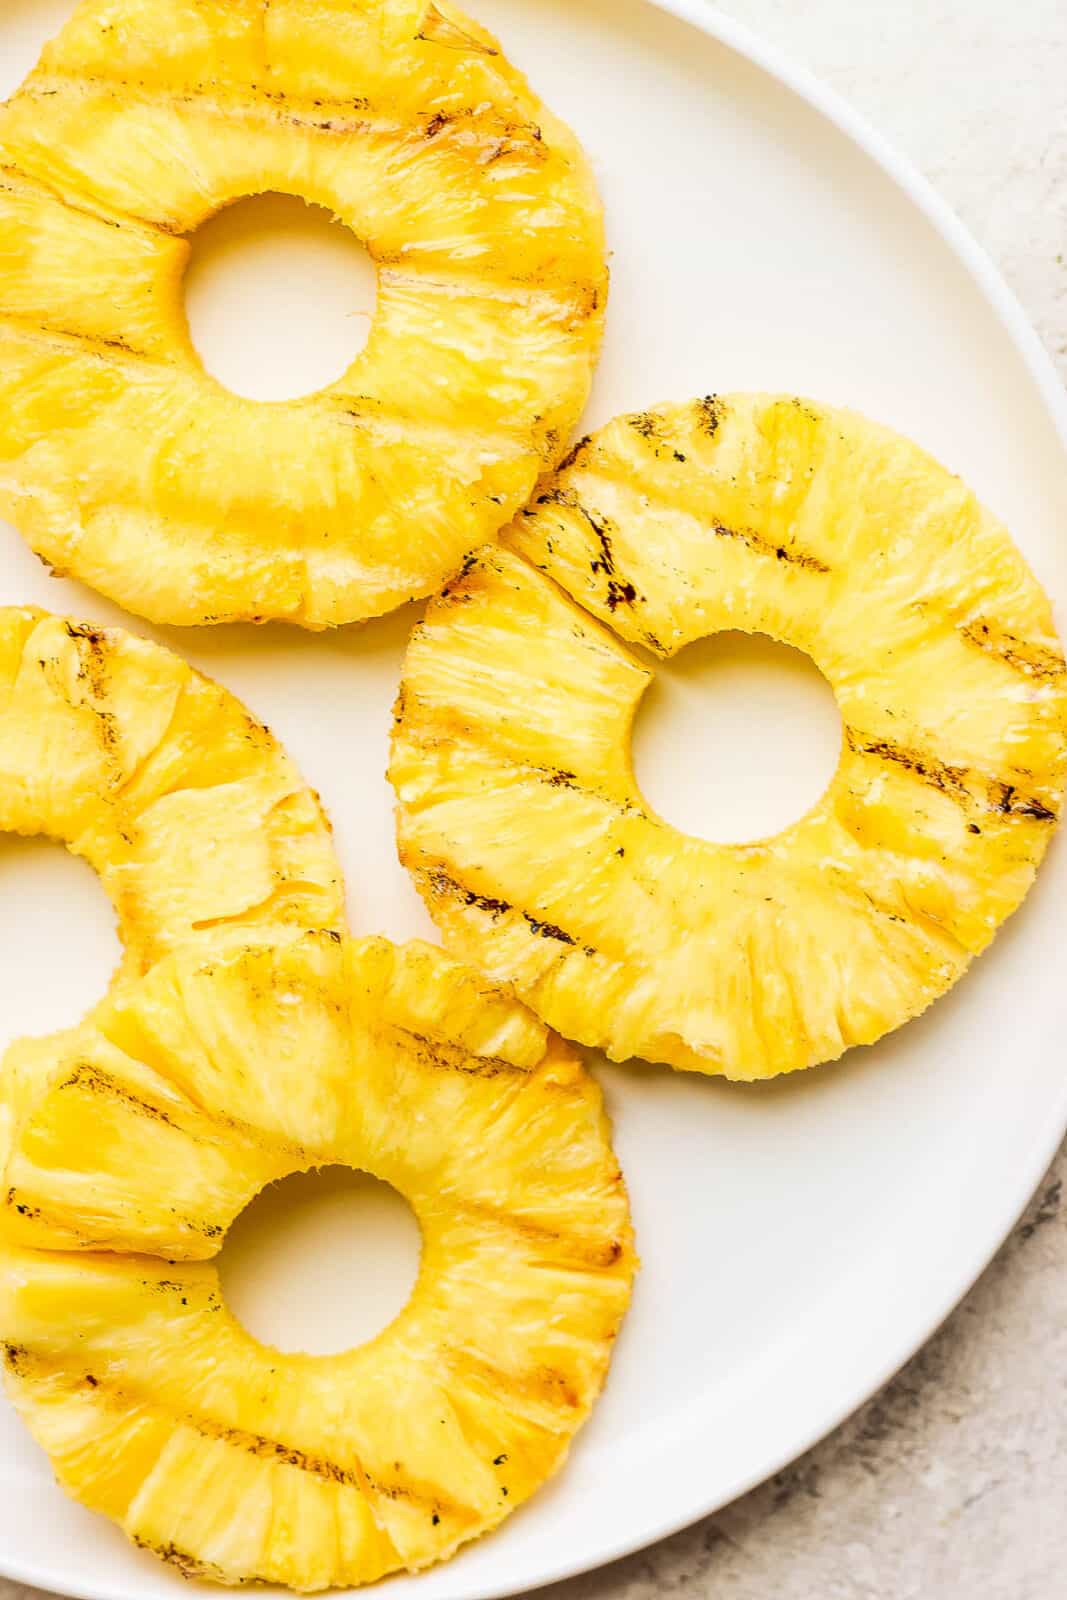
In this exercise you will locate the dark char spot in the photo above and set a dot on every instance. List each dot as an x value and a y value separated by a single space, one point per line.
548 930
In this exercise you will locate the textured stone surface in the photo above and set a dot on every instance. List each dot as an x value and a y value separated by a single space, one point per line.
950 1484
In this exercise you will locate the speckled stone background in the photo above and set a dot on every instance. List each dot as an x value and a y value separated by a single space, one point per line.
951 1484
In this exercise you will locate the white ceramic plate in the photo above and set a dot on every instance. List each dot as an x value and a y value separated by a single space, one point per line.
800 1240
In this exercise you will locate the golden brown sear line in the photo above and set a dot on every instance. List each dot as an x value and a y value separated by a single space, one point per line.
86 1075
543 1387
111 350
14 181
443 883
928 769
603 528
1006 800
790 554
479 134
576 1249
959 783
274 1450
187 1565
22 1362
1034 660
14 1357
441 1056
191 1119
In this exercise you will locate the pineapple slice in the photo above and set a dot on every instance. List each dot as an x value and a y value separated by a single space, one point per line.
124 463
147 1130
198 823
519 813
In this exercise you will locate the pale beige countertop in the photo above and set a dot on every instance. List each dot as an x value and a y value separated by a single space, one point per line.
952 1484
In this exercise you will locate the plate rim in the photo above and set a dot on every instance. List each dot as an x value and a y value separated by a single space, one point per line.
834 107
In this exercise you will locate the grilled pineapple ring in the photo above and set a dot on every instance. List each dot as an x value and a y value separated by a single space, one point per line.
197 822
519 813
124 463
150 1128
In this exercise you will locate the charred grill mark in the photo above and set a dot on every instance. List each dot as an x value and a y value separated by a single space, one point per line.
594 1253
444 1057
19 181
24 1209
442 883
93 668
486 902
648 425
89 1077
14 1358
575 451
1034 660
1006 801
602 527
316 1466
210 96
288 1455
95 637
485 136
766 547
620 594
958 783
189 1566
549 930
709 414
620 590
99 345
560 778
275 1450
113 343
938 774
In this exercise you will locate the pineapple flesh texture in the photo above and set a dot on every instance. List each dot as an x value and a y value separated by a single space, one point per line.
522 821
124 463
143 1134
198 824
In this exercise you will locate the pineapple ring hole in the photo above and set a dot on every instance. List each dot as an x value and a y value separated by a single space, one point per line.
62 950
737 737
321 1261
279 297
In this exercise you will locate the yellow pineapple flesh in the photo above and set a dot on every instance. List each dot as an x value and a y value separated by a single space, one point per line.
522 821
196 820
199 825
144 1132
124 463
